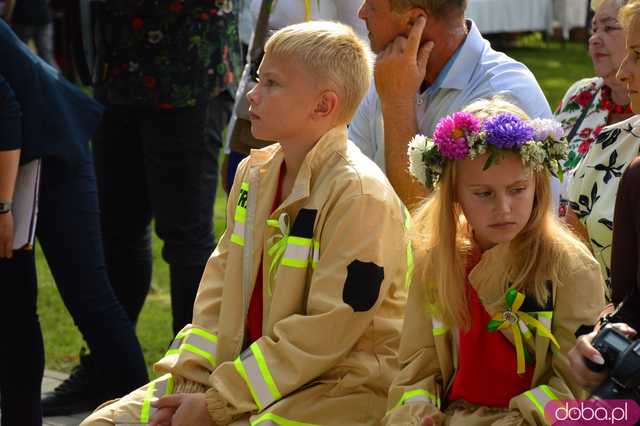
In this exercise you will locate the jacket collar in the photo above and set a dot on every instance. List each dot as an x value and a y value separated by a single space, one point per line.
269 159
462 64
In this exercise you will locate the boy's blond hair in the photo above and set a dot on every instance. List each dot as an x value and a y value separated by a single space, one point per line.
332 52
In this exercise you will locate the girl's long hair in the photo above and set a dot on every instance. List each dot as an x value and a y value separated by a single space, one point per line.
442 240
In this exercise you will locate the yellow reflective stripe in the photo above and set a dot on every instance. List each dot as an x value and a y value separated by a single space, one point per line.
545 317
316 254
418 395
241 209
438 327
146 404
407 225
439 331
253 369
196 350
270 419
409 274
243 373
540 396
157 388
552 396
266 374
196 340
237 236
297 252
295 263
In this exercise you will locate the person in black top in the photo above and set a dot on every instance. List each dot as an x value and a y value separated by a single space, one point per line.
43 116
31 19
159 65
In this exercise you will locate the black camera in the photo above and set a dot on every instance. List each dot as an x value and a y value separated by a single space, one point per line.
622 359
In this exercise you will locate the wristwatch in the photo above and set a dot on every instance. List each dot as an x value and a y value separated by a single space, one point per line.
5 207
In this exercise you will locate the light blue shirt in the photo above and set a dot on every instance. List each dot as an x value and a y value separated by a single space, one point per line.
474 71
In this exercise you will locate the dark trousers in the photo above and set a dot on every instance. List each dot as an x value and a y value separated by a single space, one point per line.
156 164
68 230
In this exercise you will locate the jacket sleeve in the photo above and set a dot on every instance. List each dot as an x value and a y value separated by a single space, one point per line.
10 118
193 356
418 390
362 259
579 300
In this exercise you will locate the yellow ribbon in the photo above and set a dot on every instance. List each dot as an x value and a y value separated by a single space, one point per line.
511 318
277 249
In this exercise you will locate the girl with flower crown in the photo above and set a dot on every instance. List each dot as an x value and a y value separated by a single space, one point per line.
500 286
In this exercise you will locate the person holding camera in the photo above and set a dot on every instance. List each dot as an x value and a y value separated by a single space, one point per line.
608 350
616 329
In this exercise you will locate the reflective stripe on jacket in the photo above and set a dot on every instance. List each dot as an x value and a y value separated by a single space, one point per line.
428 350
335 263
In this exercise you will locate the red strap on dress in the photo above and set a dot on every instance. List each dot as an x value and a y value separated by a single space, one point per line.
486 372
254 315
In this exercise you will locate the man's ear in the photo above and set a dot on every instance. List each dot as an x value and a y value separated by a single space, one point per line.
327 104
412 16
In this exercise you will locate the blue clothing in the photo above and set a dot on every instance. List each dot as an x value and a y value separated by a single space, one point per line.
474 71
58 118
47 117
10 116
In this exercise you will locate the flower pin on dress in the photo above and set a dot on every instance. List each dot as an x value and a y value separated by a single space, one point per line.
520 323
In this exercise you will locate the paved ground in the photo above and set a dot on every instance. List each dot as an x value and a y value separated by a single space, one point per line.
50 381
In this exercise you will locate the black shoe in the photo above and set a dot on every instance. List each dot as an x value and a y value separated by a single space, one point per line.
76 394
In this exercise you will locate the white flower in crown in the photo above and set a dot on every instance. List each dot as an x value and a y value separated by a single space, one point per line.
417 148
544 128
559 149
533 154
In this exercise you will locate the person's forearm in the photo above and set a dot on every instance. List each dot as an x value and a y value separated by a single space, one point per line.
399 127
9 161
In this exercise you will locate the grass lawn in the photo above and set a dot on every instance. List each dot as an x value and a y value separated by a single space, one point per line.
556 68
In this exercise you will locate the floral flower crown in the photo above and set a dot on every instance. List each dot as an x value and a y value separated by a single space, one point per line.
539 142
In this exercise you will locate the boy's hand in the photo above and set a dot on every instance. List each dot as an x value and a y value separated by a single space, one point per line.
401 67
183 409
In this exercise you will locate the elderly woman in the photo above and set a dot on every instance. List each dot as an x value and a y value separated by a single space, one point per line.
594 183
592 103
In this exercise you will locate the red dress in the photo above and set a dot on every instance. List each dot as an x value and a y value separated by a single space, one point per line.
486 373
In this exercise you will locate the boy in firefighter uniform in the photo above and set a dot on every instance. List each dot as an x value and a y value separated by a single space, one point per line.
299 310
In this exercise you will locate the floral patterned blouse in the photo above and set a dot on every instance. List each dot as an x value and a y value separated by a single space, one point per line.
167 53
594 184
586 93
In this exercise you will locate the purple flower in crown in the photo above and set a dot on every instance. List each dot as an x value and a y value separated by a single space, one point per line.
507 131
451 132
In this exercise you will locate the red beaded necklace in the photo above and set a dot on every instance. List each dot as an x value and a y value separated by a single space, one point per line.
608 104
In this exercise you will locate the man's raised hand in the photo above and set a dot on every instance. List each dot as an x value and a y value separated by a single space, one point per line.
401 67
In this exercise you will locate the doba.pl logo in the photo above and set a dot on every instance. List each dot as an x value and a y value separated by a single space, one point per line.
592 412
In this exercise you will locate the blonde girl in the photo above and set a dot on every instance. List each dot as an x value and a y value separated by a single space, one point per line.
500 286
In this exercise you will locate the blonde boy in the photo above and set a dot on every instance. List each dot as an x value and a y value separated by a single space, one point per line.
298 313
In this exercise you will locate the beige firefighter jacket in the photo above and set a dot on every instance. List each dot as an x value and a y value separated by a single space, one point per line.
428 348
334 288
